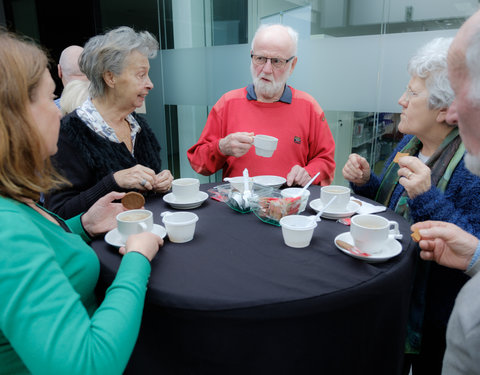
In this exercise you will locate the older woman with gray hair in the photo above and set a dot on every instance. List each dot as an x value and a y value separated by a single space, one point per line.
429 183
104 144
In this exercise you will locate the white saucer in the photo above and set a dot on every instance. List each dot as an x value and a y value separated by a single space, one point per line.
392 248
186 205
113 237
270 181
351 208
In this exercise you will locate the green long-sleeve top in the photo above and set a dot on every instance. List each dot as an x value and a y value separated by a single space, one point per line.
49 319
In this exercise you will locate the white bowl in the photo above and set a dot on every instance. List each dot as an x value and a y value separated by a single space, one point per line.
270 181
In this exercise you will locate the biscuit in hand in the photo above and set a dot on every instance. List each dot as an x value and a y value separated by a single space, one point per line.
133 200
416 236
399 155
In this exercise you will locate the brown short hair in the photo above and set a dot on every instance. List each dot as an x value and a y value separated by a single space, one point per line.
24 172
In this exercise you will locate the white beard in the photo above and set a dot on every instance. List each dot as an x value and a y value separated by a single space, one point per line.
472 162
267 89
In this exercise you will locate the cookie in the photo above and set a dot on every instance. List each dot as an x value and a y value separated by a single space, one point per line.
416 236
399 155
133 200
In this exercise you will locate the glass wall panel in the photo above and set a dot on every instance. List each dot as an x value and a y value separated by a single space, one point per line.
230 22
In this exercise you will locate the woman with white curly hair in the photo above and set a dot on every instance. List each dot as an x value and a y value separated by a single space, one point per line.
430 182
104 144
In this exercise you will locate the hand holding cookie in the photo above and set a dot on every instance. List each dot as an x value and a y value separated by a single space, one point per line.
101 217
446 243
414 175
399 155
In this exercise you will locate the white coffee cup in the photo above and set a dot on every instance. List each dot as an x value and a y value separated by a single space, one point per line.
180 226
297 230
293 192
370 232
265 145
342 194
185 189
133 222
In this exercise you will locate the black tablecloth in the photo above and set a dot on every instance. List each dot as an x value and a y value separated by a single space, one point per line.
237 300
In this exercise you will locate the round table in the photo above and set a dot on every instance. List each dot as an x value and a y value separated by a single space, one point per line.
237 300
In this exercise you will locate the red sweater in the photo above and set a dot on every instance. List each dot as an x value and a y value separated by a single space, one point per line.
304 137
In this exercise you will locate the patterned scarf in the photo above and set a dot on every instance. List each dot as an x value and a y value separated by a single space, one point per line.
442 164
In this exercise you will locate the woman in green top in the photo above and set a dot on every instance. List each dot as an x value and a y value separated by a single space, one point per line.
49 320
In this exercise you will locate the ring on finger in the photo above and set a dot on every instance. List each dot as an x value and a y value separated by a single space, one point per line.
409 175
143 182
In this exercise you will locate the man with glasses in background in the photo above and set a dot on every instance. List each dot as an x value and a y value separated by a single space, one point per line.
268 106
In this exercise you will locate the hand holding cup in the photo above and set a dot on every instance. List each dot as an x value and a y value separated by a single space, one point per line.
236 144
145 243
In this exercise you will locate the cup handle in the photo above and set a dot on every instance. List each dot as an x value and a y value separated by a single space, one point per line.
393 227
394 231
143 226
165 213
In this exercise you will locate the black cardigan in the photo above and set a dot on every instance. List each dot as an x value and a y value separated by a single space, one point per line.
88 161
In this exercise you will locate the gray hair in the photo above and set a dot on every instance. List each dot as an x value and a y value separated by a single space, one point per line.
472 59
430 63
293 35
108 52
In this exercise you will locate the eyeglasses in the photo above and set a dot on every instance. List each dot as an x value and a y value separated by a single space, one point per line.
276 62
409 94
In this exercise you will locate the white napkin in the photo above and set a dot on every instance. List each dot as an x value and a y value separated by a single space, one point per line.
368 208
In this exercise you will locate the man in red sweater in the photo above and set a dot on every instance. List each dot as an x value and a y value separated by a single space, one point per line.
268 106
